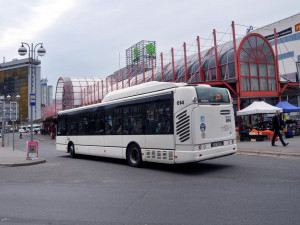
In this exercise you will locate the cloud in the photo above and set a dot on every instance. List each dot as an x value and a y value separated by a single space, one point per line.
86 37
27 19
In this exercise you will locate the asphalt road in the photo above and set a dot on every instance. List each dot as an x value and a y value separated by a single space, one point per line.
237 189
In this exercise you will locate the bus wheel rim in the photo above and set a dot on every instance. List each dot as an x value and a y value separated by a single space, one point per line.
134 155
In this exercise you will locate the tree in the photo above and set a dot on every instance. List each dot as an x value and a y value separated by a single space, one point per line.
135 52
150 49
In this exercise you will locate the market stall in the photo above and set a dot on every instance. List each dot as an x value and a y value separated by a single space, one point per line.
258 107
292 126
287 107
263 129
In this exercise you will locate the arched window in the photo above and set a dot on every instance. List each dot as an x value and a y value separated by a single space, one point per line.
257 65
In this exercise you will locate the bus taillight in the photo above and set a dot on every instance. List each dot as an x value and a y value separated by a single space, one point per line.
202 146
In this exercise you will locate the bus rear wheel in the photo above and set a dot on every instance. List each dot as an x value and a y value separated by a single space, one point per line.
134 156
72 151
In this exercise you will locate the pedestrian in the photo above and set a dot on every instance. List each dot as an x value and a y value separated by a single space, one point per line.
277 127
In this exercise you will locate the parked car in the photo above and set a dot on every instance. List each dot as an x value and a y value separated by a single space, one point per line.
22 129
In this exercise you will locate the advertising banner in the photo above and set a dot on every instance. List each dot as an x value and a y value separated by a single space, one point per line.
32 150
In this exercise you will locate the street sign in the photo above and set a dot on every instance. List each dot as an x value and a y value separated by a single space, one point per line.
32 99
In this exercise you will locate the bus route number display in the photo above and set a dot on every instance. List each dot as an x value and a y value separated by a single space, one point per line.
180 102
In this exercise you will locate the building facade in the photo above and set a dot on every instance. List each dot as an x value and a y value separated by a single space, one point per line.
49 94
46 93
288 48
249 66
16 79
246 66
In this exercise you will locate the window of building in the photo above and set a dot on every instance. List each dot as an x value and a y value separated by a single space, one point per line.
257 65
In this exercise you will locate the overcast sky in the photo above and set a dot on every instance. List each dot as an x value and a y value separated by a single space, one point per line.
88 37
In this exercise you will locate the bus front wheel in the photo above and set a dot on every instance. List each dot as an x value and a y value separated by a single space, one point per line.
134 156
72 151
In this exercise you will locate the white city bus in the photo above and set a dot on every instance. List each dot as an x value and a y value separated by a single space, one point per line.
155 122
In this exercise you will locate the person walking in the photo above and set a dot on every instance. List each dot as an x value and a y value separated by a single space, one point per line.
277 126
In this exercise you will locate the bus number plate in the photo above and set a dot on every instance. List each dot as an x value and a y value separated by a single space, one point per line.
216 144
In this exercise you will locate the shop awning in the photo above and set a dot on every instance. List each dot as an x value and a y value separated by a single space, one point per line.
287 107
258 107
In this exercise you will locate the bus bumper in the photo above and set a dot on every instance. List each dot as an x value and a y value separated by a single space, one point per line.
205 154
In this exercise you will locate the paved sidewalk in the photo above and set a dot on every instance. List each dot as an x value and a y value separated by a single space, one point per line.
264 148
11 158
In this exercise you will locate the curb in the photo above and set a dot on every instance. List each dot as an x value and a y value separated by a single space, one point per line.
289 155
25 163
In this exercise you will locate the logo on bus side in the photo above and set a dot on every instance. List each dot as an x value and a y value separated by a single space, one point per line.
202 127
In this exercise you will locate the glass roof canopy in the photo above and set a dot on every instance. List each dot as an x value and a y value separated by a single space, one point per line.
73 92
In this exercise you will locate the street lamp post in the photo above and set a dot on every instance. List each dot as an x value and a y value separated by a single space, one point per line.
3 98
3 119
31 55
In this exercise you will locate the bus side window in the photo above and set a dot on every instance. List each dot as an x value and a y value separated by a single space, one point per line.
73 130
158 124
68 121
150 120
127 120
120 127
167 125
101 127
139 126
91 123
62 130
108 128
99 123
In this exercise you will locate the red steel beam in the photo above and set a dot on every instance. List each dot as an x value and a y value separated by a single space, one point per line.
201 75
237 73
276 66
173 65
162 67
216 56
186 74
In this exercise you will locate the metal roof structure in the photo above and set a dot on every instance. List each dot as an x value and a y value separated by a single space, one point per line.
247 66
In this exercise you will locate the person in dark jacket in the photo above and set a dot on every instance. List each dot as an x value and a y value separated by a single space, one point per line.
277 126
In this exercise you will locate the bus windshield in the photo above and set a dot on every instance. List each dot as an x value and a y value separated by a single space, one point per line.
206 94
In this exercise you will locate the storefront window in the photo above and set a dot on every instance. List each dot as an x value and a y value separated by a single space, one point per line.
271 70
254 84
245 84
245 69
272 84
262 70
253 69
263 84
257 65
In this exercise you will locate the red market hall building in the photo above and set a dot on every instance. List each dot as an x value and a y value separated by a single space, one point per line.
247 66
